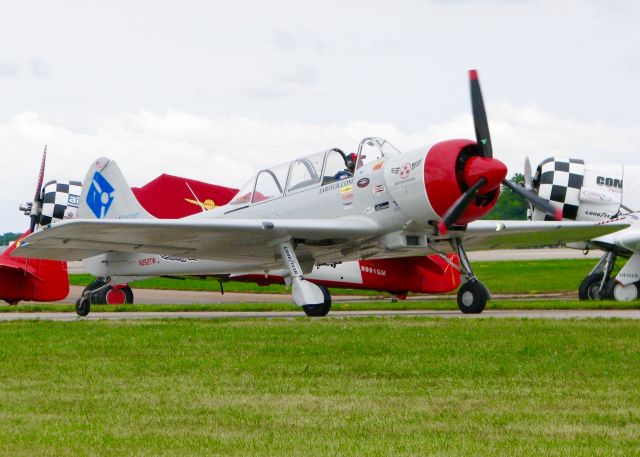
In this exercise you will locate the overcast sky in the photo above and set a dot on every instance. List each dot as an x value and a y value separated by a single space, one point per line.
215 90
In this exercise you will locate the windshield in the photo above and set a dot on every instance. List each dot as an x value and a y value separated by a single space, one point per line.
373 149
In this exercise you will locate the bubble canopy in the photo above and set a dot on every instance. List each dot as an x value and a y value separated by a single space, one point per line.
308 172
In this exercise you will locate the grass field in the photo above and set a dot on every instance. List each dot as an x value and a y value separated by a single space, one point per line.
515 276
300 387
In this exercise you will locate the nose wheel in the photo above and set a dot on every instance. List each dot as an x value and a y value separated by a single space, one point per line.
472 295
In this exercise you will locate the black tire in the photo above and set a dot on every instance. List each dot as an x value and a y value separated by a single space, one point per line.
615 291
83 306
129 294
588 289
321 309
472 297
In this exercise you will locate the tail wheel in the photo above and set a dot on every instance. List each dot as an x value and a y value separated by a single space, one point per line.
590 287
321 309
82 306
613 290
472 297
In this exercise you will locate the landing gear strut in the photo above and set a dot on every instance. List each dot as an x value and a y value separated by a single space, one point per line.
472 295
102 292
593 287
315 300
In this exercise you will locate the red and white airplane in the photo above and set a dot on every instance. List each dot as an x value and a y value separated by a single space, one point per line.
320 210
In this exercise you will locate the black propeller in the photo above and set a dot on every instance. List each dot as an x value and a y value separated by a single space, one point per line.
540 203
486 173
458 207
480 116
37 200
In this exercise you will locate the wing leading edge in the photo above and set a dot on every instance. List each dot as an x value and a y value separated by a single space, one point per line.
219 239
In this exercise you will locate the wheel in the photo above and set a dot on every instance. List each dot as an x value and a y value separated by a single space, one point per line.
128 295
82 306
109 295
472 297
590 287
321 309
613 290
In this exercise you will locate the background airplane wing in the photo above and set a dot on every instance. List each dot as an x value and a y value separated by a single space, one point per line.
236 240
483 235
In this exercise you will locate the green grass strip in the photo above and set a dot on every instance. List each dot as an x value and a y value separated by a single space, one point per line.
302 387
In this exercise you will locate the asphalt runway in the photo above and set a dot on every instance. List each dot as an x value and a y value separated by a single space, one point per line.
490 314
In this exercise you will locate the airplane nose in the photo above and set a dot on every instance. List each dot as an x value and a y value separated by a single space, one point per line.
492 170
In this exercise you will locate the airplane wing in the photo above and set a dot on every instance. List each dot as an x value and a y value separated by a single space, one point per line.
253 241
483 235
626 240
235 240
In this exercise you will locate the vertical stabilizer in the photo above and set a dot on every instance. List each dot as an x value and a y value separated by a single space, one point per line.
106 194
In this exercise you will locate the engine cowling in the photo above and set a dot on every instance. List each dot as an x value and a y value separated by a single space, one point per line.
427 182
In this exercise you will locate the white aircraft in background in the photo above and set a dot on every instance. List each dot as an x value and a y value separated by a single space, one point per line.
594 192
320 210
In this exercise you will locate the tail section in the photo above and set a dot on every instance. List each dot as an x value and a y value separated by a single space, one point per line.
106 194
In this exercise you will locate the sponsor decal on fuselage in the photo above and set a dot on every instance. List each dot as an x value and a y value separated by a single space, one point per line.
405 170
609 182
599 214
382 206
337 185
74 200
173 258
363 182
377 189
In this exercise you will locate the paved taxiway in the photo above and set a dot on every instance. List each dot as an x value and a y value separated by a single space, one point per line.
529 314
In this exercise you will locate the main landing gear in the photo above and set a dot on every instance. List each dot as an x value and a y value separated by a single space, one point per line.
472 295
315 300
102 292
599 285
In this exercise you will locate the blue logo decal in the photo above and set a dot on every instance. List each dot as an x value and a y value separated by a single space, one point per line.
100 195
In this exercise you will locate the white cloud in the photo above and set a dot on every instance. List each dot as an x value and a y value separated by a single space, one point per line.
229 150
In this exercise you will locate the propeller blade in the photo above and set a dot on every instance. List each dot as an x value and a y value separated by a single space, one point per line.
458 207
37 198
41 175
480 116
528 178
528 184
538 202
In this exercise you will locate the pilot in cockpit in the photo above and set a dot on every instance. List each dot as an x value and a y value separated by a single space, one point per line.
350 165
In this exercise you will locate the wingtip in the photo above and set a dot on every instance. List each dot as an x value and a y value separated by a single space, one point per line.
558 214
473 75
